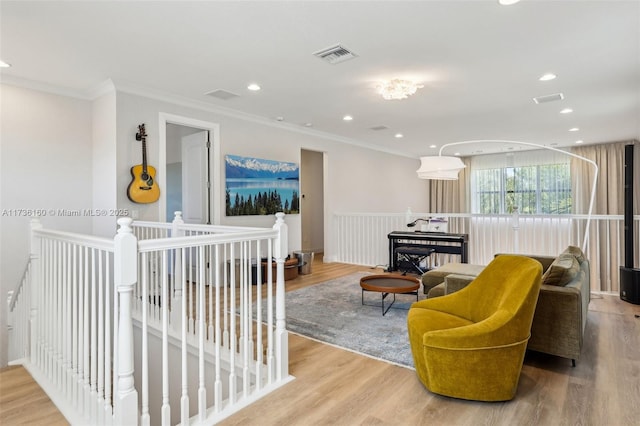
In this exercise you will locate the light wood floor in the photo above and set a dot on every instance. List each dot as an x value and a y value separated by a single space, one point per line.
23 402
337 387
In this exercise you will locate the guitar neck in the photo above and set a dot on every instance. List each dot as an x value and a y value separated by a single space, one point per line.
144 155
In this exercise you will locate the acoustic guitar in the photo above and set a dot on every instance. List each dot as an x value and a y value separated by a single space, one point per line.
143 188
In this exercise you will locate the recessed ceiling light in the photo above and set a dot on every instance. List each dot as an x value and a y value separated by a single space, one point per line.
3 64
566 111
507 2
253 87
574 129
547 77
347 118
308 124
399 135
279 118
579 142
433 146
456 153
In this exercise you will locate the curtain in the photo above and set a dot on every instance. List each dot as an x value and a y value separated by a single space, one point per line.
452 196
609 200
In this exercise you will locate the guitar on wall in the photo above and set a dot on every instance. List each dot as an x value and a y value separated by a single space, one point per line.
143 188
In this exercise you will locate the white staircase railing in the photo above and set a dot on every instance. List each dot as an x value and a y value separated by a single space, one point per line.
154 326
361 238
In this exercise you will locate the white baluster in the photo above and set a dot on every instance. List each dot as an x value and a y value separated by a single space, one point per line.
202 391
184 399
164 298
282 344
36 284
178 278
125 276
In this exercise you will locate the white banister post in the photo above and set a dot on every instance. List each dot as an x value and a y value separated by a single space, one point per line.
515 224
125 277
178 282
34 287
281 338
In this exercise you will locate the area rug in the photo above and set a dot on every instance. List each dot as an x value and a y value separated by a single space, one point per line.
332 312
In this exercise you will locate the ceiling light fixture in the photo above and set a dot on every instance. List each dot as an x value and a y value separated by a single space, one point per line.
399 135
548 77
398 89
579 142
507 2
574 129
433 146
347 118
4 64
253 87
566 111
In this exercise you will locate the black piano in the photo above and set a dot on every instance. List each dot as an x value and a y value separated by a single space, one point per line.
408 249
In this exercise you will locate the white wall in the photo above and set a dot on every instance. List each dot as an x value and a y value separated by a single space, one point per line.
45 163
358 179
59 152
105 190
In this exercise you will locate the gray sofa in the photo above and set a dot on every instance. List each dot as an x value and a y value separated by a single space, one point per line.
561 312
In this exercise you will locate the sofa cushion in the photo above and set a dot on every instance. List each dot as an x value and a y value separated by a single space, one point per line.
576 252
562 270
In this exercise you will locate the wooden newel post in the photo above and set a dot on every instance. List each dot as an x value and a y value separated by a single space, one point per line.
125 277
35 287
282 337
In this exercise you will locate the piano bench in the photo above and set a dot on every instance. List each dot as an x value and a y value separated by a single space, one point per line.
412 257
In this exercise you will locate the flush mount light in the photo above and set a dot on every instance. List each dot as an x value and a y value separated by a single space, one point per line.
579 142
547 77
433 146
566 111
399 135
398 89
347 118
507 2
574 129
253 87
3 64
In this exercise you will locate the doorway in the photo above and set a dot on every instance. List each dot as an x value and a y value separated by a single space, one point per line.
312 200
189 154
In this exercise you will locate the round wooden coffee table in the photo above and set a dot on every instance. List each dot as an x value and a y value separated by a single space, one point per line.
386 284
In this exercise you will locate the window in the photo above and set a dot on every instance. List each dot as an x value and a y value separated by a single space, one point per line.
537 189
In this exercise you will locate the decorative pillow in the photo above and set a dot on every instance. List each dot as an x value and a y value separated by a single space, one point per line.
562 270
577 252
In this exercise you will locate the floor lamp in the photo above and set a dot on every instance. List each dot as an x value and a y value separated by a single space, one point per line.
443 167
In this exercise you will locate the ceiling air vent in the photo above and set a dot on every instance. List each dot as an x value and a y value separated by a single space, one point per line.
548 98
335 54
222 94
381 127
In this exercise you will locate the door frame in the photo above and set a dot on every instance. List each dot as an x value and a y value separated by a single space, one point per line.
214 162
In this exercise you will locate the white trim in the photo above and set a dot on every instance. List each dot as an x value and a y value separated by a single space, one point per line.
99 90
214 158
205 106
45 87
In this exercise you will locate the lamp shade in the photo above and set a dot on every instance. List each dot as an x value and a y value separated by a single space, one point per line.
440 167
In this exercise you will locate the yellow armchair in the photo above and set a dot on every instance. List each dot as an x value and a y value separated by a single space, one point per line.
471 344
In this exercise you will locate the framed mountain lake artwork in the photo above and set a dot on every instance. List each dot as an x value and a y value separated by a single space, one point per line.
256 186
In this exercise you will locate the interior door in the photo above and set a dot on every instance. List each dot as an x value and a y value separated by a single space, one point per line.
195 178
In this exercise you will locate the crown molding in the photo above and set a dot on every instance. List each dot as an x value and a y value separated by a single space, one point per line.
110 86
133 89
44 87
